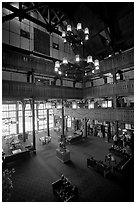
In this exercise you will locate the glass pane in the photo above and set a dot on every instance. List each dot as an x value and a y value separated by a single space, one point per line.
4 107
12 129
28 107
12 106
20 106
19 113
4 114
12 114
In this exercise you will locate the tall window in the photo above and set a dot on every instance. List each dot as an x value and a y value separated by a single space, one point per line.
9 119
20 118
28 118
51 120
42 116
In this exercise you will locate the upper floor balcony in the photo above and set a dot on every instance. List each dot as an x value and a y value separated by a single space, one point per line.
27 62
13 90
120 88
122 115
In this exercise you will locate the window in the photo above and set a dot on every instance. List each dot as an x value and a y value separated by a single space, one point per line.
9 119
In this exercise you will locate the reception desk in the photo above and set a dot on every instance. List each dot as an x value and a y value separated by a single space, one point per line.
63 156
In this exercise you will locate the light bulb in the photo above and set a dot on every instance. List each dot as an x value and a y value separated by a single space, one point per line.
56 69
63 34
79 26
65 61
89 59
86 37
77 58
69 28
96 62
57 64
97 67
65 40
59 72
86 31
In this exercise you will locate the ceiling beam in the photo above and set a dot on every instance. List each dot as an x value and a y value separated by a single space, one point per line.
32 19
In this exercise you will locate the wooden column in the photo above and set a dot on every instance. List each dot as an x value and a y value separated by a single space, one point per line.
66 125
116 128
23 114
63 120
85 127
48 128
37 106
33 123
17 118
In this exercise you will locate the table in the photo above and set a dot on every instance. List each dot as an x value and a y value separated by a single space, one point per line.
63 156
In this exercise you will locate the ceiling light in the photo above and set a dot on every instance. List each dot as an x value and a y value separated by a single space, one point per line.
57 64
56 69
63 34
86 31
64 40
86 37
59 72
79 26
97 67
69 28
89 59
65 61
96 62
77 58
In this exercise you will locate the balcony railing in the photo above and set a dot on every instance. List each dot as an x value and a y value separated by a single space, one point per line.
120 88
99 114
16 60
20 90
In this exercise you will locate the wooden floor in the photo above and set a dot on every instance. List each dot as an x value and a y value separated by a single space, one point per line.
33 177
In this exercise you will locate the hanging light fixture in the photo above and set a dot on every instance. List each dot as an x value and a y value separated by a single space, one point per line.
65 61
79 26
57 64
89 59
86 31
77 58
59 72
69 28
86 37
63 34
96 62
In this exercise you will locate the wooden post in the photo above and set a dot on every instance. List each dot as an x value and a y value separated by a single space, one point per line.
33 123
23 114
48 128
85 127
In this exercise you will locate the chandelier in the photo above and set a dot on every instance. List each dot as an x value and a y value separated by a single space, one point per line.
76 36
81 66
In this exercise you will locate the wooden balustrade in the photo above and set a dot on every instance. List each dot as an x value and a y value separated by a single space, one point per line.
99 114
120 88
16 60
123 60
19 90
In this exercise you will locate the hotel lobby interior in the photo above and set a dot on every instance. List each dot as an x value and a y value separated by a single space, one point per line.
68 101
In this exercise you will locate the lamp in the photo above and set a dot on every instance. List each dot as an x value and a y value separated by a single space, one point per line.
78 35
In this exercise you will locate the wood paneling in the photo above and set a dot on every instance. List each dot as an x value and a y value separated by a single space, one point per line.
99 114
19 90
120 88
